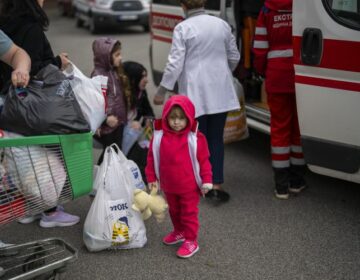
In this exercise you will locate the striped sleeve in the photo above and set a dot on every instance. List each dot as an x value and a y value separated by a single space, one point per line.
261 44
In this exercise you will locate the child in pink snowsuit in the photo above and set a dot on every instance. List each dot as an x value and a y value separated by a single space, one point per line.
178 160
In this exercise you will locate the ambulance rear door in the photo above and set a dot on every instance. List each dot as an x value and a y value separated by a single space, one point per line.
327 65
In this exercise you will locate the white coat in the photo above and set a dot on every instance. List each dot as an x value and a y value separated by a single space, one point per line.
202 57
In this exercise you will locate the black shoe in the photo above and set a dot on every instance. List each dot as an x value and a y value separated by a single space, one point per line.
281 192
218 195
297 188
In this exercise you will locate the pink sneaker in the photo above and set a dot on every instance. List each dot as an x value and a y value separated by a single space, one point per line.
173 238
187 249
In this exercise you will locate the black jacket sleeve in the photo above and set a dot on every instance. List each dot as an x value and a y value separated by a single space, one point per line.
38 47
144 108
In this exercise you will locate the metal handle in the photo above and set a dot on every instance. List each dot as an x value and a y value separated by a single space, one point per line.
311 47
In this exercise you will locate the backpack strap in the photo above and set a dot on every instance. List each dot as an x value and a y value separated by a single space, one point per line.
192 143
157 135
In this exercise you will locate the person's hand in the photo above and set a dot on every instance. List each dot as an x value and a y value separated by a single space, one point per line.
135 125
98 132
112 121
159 99
205 188
20 78
153 186
64 60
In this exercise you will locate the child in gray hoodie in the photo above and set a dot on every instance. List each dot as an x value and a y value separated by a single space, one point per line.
107 62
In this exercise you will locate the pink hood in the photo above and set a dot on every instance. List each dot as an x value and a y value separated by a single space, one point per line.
185 103
175 163
279 5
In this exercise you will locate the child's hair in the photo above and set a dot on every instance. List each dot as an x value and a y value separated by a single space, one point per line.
134 71
123 78
193 4
177 112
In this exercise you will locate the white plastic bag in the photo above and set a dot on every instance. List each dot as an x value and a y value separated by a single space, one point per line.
96 233
89 94
135 175
133 172
40 172
130 136
137 181
111 222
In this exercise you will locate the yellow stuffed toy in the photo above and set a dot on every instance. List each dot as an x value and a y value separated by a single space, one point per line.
150 204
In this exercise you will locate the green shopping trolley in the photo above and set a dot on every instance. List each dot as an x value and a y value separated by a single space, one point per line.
36 174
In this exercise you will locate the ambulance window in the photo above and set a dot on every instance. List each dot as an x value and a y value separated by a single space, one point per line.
346 12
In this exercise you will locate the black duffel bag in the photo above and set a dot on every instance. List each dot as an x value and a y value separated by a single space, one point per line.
47 106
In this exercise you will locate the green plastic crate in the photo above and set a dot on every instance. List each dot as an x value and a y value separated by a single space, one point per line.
77 153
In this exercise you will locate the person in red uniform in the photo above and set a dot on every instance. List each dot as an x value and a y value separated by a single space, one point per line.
178 159
273 59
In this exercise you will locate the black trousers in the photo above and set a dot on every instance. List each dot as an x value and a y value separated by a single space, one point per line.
106 140
139 156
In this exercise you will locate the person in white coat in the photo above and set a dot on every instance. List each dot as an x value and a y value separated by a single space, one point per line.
202 57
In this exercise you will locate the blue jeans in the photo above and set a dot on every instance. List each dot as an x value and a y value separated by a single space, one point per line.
212 126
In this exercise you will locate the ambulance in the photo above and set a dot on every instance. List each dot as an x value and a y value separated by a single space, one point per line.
326 36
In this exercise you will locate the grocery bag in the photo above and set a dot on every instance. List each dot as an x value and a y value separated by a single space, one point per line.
137 181
136 178
236 128
46 106
96 234
111 223
39 171
89 92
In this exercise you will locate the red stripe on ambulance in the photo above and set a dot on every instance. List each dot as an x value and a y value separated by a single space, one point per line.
327 83
165 21
337 54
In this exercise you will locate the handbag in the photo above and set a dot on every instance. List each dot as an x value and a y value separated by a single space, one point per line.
236 128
